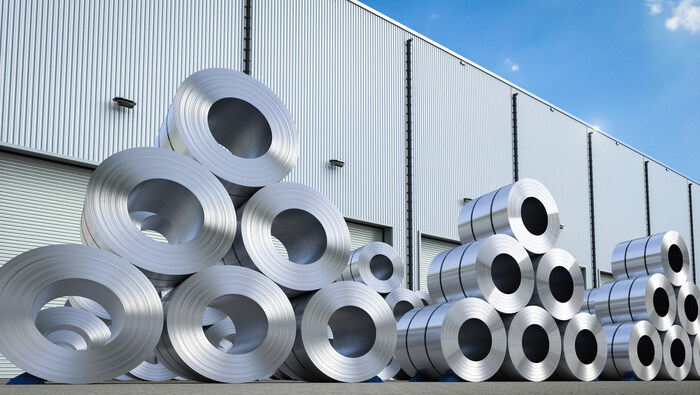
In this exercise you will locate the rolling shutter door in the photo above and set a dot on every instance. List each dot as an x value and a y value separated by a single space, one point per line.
361 234
429 249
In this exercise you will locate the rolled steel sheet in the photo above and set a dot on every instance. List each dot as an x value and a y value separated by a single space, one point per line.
378 265
235 127
584 348
588 305
497 269
364 334
648 298
260 311
694 373
664 253
222 335
313 232
424 297
633 348
30 280
197 218
466 337
393 370
687 299
400 301
677 354
558 284
525 210
72 328
534 345
90 306
151 370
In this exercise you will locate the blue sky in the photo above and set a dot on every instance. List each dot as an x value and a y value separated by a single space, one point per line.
632 68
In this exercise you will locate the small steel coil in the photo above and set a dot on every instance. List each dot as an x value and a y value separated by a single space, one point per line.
687 299
72 328
151 370
664 253
588 305
378 265
677 354
222 335
424 297
525 210
634 348
558 284
584 348
400 301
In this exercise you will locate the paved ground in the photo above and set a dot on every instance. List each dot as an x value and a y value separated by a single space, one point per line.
388 388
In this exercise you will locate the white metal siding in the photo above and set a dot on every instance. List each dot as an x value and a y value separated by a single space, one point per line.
362 234
696 229
429 248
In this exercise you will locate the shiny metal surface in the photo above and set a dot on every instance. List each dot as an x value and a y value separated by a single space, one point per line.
496 269
88 305
377 265
72 328
222 335
677 354
313 232
643 298
364 334
151 370
400 301
424 297
260 311
694 373
664 253
687 301
235 126
125 196
633 348
584 348
534 345
588 305
525 210
36 277
559 284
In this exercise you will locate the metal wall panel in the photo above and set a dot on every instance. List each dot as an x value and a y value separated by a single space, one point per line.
668 202
362 234
696 229
64 61
618 185
553 149
340 71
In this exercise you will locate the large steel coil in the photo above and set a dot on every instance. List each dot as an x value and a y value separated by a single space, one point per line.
584 348
310 227
648 298
400 301
525 210
558 284
363 328
695 367
30 280
260 311
466 337
664 253
197 218
424 297
677 354
378 265
72 328
497 269
687 299
151 370
534 345
234 126
633 348
588 305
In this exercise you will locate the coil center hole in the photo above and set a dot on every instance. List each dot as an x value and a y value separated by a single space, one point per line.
165 211
249 321
402 308
561 285
645 350
474 339
534 216
505 273
535 343
302 235
661 303
586 346
675 258
381 267
239 127
691 308
677 352
353 331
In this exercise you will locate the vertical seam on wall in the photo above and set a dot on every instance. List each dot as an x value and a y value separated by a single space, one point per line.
247 36
409 170
692 232
646 195
591 204
515 137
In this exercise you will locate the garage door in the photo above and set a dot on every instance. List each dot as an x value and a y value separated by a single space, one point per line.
430 247
362 234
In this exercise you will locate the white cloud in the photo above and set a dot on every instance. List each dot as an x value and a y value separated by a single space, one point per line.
686 15
433 16
654 7
512 65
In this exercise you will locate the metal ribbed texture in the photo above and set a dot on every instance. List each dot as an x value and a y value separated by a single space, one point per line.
668 203
618 183
40 202
696 232
63 63
552 148
340 71
361 235
429 249
471 111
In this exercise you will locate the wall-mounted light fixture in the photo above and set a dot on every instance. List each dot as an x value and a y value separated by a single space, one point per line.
561 226
463 63
467 200
551 109
336 162
124 102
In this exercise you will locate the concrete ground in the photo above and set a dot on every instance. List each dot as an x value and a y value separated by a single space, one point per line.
389 388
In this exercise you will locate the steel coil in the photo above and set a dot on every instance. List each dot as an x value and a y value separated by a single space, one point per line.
234 126
525 210
677 354
497 269
466 337
197 218
424 297
694 373
222 335
588 305
72 328
310 227
634 348
534 345
378 265
664 253
364 334
400 301
648 298
584 348
151 370
558 284
30 280
687 298
260 311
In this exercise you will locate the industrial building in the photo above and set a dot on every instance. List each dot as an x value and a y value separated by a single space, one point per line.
396 130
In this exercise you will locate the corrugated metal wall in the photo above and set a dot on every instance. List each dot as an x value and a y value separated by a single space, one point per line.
696 226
